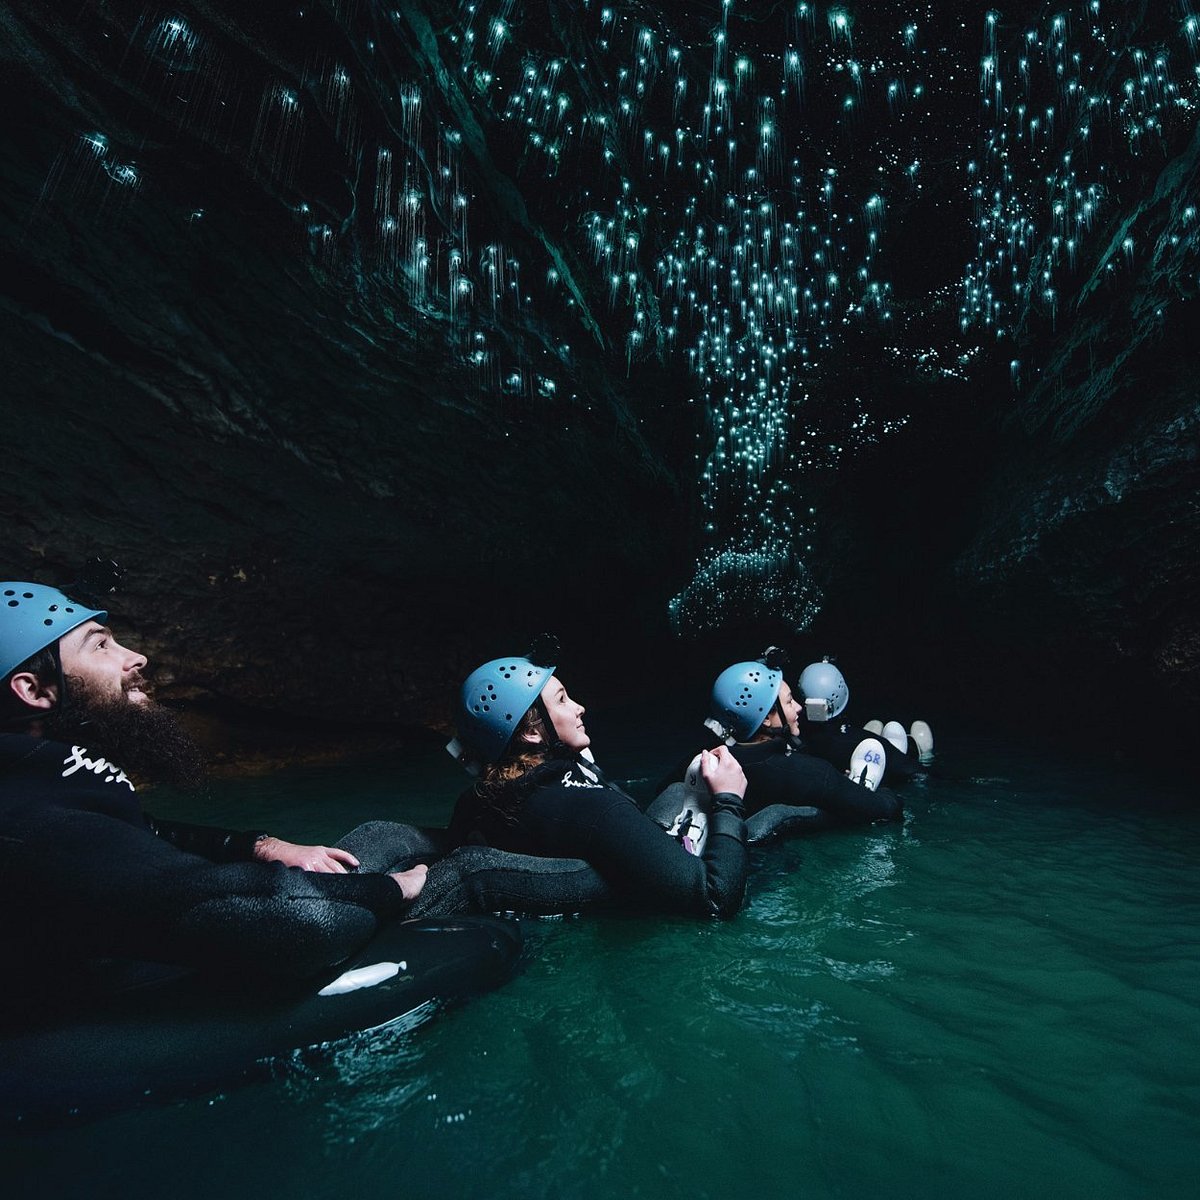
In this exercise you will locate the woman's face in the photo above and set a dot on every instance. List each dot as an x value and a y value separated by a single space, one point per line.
565 715
790 707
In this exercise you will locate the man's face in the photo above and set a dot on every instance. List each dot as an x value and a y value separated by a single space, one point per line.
108 709
108 670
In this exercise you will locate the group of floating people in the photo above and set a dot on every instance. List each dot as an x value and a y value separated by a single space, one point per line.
778 763
152 957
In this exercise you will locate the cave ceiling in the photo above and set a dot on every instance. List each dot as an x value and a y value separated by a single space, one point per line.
348 324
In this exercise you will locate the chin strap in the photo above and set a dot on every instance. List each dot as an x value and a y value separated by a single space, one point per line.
783 730
551 747
551 742
462 756
62 681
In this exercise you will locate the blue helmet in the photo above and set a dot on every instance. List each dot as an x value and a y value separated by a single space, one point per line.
493 700
743 696
34 616
823 681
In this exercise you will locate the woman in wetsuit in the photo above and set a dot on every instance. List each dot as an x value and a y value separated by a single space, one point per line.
789 790
540 793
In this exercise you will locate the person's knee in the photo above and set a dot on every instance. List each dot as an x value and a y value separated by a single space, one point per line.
391 846
784 820
484 879
373 831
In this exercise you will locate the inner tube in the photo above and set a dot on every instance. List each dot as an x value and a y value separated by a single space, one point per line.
683 810
193 1033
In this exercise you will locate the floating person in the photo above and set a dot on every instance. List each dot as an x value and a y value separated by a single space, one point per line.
104 905
540 793
824 694
788 791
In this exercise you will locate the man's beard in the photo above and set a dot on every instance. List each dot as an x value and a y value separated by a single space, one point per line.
145 740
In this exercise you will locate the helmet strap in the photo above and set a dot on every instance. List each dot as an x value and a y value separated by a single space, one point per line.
550 739
774 731
62 679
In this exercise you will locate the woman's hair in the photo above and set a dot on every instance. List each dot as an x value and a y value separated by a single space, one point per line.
494 788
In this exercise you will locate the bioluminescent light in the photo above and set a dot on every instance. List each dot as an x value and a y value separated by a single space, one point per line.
1063 104
715 189
749 264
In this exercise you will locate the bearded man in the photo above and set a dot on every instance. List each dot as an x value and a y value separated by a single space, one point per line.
86 877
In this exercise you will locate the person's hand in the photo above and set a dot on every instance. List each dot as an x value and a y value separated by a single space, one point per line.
326 860
722 772
411 882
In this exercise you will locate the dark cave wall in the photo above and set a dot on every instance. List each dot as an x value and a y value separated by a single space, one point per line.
343 559
1039 534
1028 578
326 510
319 509
1089 528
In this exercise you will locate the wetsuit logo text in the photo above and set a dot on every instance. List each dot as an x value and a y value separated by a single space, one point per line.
78 759
569 781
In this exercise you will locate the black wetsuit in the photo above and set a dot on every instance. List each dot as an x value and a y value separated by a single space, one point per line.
566 810
789 792
86 876
780 777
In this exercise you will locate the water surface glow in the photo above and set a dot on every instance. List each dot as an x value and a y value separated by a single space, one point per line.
1000 998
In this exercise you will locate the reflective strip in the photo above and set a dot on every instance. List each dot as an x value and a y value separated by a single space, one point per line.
363 977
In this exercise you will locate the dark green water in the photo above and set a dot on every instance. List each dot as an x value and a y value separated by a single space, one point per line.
1000 998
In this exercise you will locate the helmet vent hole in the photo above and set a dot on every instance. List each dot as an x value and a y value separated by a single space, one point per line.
14 604
27 595
48 621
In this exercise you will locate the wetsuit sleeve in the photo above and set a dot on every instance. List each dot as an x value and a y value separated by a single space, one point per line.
636 856
208 841
92 886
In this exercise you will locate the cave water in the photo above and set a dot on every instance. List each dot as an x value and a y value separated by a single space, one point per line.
373 339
